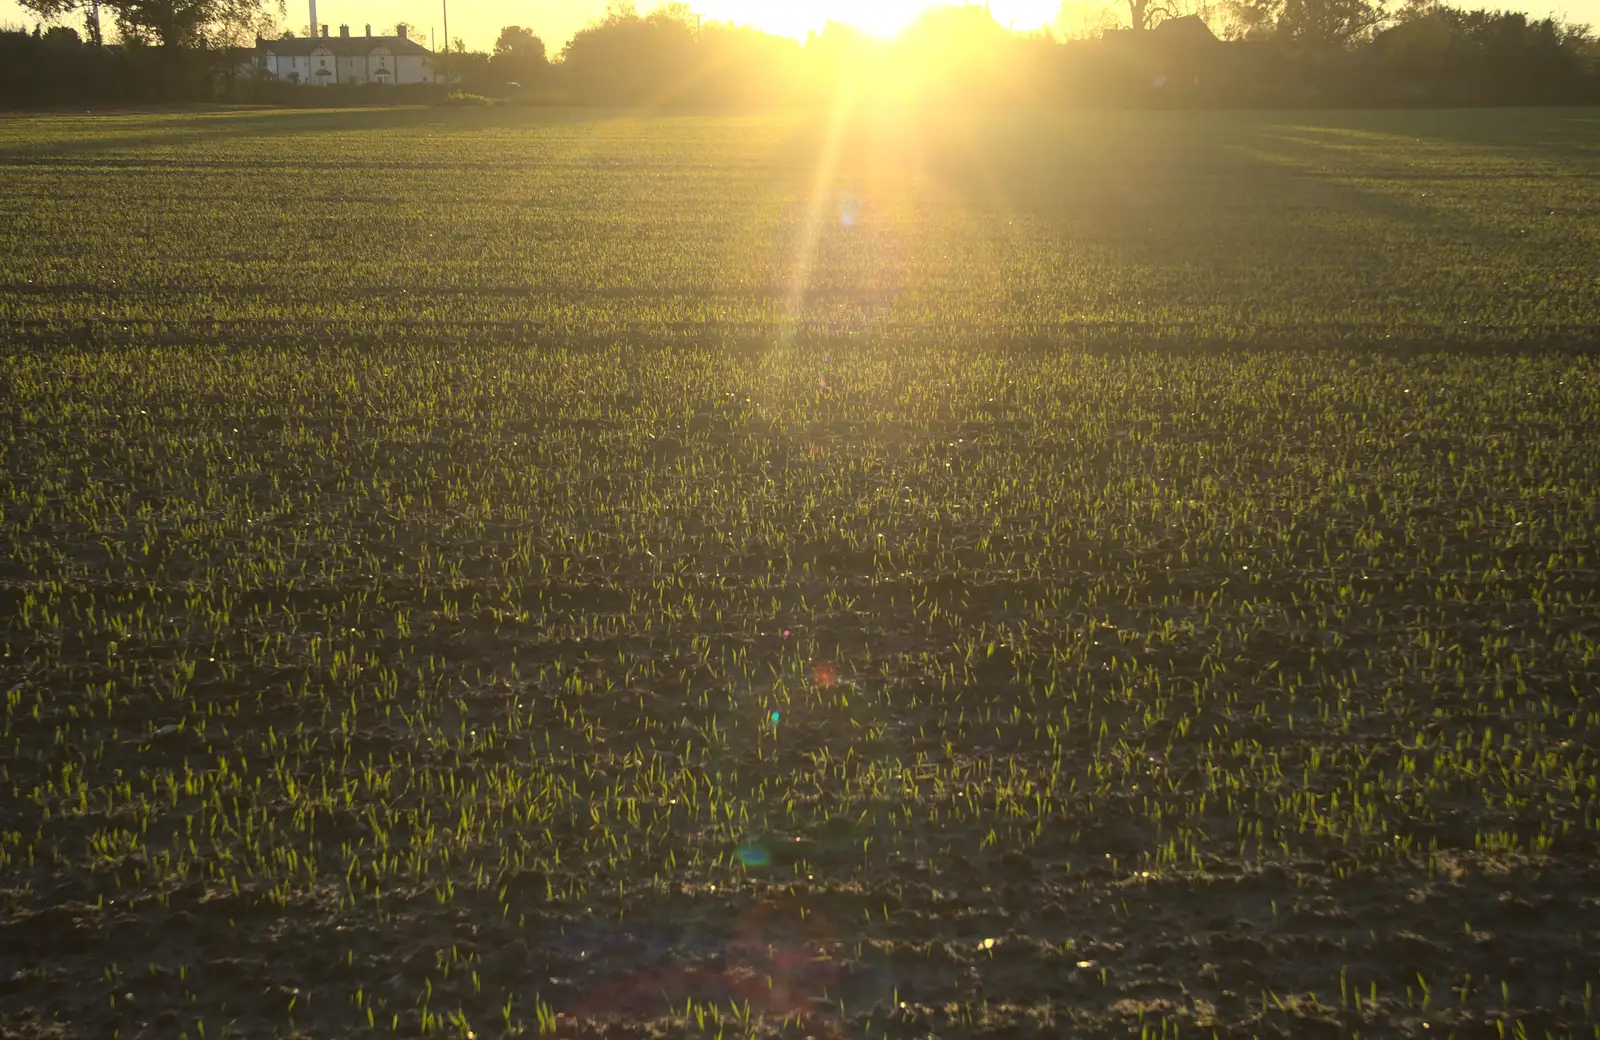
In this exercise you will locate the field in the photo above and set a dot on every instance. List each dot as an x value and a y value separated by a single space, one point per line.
499 572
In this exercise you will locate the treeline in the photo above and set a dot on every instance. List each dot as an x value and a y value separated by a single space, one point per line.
1270 52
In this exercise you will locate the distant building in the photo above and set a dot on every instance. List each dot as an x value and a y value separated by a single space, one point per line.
1174 56
326 60
1188 30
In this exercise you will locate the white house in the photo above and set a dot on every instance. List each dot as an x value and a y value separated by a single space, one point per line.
326 60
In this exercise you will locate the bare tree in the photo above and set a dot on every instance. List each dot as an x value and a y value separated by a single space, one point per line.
1147 14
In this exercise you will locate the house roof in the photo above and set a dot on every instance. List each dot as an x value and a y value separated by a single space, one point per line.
1172 35
1190 28
344 46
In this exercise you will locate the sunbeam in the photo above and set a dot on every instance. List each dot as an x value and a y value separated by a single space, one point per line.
817 207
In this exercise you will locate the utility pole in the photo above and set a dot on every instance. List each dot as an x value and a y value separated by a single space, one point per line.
445 4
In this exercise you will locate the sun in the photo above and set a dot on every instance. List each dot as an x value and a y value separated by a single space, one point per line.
886 18
889 18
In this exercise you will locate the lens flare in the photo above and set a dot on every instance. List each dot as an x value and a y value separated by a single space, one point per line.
753 854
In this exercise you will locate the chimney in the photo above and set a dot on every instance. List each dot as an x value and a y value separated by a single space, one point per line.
369 28
324 32
313 19
344 32
400 31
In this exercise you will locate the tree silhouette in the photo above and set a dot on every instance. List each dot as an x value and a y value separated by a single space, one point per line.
519 56
171 23
1323 22
625 58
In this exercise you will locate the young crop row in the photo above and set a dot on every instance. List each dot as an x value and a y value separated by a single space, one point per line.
363 639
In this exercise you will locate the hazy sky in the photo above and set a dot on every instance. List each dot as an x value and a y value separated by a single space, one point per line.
479 21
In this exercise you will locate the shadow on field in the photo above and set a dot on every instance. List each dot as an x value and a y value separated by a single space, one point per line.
119 132
1428 189
1548 133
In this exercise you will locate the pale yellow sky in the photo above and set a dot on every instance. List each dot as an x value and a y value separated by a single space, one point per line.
478 22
